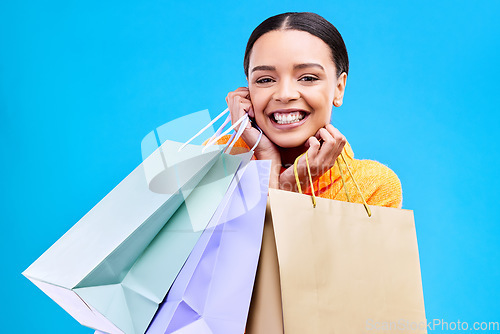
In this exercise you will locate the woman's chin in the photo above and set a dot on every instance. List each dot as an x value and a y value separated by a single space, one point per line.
290 141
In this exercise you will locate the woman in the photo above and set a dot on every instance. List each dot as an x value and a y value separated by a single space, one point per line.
296 66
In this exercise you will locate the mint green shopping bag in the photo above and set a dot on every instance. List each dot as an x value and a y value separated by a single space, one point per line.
104 271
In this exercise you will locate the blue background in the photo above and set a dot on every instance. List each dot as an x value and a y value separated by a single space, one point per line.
81 83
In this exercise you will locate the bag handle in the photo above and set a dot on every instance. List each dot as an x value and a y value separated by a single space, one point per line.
244 120
240 132
235 136
214 138
308 173
367 208
206 127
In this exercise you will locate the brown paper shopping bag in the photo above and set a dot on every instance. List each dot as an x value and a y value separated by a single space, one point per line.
342 271
265 315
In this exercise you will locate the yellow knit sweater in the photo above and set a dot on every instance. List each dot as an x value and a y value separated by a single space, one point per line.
378 183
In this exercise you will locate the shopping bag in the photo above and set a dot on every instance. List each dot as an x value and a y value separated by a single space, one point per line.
343 271
265 314
104 270
212 292
177 130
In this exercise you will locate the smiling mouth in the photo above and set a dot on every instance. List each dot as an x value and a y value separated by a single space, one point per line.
288 117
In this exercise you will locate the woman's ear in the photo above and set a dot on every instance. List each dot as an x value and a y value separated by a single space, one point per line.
339 90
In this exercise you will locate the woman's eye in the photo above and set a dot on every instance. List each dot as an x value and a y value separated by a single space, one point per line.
308 78
264 80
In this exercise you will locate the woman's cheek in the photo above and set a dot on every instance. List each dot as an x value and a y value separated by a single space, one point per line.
258 106
259 116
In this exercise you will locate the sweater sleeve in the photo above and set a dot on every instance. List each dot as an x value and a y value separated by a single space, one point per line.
386 188
239 143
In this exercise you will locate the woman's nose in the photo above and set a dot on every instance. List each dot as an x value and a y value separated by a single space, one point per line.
286 92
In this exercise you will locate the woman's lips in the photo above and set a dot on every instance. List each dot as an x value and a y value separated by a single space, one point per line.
290 118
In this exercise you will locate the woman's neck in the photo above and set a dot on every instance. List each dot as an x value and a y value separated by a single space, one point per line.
288 155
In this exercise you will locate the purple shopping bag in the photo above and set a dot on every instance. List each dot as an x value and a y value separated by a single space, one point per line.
212 292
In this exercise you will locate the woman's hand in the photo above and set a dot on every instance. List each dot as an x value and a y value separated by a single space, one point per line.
323 150
239 103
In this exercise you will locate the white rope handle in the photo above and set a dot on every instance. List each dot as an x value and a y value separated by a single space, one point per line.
219 130
206 127
242 128
237 136
258 139
217 133
242 118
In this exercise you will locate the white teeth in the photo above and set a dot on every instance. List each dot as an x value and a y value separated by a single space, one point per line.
287 118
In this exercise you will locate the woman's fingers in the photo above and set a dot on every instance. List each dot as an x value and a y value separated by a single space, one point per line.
339 137
250 111
333 143
314 147
335 133
324 148
327 139
239 103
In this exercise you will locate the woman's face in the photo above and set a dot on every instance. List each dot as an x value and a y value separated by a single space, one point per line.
293 85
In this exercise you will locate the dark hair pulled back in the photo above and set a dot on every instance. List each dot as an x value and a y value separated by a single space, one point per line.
304 21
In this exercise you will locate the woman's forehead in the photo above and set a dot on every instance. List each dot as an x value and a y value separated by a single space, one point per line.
279 47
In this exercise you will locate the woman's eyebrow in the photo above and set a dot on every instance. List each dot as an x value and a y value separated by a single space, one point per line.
295 67
263 68
307 65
